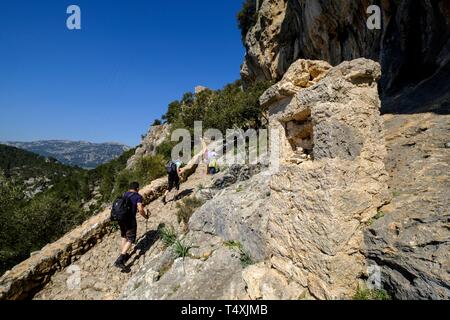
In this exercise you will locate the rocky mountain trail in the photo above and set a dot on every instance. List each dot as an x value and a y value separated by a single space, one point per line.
99 279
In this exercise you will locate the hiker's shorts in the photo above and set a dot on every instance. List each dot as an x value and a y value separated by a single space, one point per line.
174 181
128 230
212 170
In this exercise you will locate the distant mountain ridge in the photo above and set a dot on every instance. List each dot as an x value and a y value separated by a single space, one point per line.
83 154
31 171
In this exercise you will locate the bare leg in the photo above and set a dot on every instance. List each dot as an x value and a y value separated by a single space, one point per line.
126 247
164 198
122 244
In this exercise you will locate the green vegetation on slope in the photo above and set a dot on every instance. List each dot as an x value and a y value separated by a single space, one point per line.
186 207
72 195
220 109
371 294
21 165
223 109
247 17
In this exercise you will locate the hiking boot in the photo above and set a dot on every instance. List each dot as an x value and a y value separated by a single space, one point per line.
120 262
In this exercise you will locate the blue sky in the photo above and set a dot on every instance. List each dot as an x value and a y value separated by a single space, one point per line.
111 79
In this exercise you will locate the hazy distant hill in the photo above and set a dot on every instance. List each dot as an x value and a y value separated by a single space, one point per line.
75 153
32 172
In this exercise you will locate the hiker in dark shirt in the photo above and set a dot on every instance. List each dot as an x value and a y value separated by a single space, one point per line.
173 174
128 228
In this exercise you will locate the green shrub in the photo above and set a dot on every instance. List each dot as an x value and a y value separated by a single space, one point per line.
369 294
167 235
247 17
147 169
224 109
173 111
245 258
380 214
157 122
233 244
187 207
181 250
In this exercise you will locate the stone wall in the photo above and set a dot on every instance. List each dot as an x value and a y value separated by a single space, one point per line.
25 278
319 206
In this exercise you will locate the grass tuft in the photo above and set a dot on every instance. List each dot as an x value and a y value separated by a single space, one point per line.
181 250
370 294
167 235
245 258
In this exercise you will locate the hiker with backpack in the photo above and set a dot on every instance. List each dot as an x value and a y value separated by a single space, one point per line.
173 175
124 211
213 164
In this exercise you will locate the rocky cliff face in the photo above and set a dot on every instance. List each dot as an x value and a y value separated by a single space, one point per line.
413 45
319 207
154 137
410 240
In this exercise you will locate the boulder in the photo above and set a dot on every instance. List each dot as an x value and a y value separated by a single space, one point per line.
320 207
218 277
154 137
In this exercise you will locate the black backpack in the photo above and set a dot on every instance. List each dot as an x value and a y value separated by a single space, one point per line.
171 167
122 209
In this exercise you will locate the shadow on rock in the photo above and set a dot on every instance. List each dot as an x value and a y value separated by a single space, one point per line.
143 245
184 193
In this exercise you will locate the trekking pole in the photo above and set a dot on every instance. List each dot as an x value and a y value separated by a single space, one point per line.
171 202
146 230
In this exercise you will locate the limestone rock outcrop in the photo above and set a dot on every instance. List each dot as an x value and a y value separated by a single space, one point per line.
154 137
318 208
413 45
301 74
410 240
